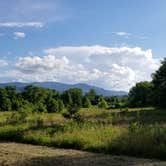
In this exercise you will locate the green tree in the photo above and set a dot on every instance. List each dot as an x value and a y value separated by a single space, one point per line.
66 97
72 112
35 94
141 94
40 107
5 103
92 96
159 82
14 97
52 105
86 102
60 105
76 96
102 103
16 104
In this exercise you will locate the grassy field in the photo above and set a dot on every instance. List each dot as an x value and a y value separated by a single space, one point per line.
137 132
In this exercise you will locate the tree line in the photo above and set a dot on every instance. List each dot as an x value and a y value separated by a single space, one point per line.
46 100
152 93
38 99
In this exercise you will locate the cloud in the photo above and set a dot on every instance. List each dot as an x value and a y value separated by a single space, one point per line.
18 35
30 11
21 24
116 68
127 35
123 34
3 63
142 37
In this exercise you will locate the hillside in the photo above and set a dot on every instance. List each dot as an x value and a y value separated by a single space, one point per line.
62 87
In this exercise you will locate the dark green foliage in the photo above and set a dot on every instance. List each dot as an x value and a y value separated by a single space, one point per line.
72 112
52 105
73 99
11 133
40 99
93 97
60 105
141 94
150 93
5 103
102 103
27 106
76 96
40 107
86 102
117 101
35 94
112 99
66 97
159 82
16 104
12 96
43 100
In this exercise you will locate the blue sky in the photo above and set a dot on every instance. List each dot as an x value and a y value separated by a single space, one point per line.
101 42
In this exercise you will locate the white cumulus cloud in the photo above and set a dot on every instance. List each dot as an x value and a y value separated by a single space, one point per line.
18 35
116 68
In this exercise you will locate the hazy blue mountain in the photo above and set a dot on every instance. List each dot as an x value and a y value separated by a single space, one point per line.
62 87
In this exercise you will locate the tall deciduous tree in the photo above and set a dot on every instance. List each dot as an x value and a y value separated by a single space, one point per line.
86 102
141 94
92 96
159 81
5 103
76 95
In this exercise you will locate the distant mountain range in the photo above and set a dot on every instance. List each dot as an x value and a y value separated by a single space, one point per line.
62 87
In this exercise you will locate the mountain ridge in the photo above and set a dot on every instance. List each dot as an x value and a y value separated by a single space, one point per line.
63 86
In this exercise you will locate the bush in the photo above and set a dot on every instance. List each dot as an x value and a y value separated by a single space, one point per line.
72 112
86 102
11 133
102 103
40 108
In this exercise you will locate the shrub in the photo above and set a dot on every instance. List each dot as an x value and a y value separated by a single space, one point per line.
72 112
102 103
11 133
86 102
40 108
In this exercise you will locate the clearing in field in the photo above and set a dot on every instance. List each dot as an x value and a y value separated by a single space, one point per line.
15 154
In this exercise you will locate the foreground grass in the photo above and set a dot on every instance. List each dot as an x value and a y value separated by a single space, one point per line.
131 132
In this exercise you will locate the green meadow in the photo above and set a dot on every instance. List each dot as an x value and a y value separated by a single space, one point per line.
139 132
